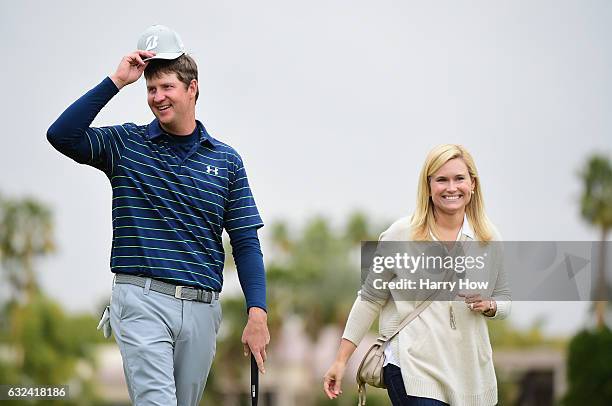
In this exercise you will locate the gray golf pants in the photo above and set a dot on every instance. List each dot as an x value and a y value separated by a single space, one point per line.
167 344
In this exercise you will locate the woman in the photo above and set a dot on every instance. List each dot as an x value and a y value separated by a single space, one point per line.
444 355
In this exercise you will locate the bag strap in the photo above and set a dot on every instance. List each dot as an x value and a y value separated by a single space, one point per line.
418 310
361 390
425 303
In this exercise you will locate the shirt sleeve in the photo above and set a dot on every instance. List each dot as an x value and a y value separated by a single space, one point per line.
249 264
71 135
241 211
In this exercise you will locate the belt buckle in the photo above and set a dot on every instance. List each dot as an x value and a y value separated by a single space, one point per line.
178 292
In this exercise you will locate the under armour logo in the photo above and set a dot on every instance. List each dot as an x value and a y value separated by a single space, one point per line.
151 42
210 169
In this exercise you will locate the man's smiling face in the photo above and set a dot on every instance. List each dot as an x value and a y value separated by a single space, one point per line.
170 100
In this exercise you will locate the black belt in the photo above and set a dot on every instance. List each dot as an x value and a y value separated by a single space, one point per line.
179 292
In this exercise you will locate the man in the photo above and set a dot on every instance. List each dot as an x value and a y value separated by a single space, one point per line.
175 188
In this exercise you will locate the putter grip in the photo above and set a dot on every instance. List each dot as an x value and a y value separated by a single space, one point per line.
254 381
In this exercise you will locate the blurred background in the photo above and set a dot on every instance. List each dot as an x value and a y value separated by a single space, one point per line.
333 105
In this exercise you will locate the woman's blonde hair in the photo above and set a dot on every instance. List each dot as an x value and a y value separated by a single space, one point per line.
423 219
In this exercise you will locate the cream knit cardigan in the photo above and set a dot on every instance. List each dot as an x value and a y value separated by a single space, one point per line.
437 361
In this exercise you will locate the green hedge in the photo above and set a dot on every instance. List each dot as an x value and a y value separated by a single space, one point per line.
589 369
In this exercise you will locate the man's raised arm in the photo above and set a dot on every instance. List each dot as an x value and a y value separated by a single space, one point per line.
67 133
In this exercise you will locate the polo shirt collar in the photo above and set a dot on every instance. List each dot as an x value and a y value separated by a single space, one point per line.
154 130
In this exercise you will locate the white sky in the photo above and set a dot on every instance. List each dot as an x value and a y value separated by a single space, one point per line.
333 106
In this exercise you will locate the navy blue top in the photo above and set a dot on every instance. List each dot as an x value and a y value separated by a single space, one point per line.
169 208
180 145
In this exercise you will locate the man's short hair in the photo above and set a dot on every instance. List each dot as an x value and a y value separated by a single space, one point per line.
184 67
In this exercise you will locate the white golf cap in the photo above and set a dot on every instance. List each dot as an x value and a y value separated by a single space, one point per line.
163 41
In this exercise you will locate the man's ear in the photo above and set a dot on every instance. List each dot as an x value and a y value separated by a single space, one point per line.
193 87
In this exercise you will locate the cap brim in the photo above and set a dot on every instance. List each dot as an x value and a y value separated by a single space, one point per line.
166 55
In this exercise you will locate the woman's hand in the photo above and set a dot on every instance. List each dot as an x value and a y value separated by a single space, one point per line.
332 381
477 303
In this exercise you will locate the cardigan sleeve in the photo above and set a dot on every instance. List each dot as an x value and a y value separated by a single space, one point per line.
362 315
501 292
371 299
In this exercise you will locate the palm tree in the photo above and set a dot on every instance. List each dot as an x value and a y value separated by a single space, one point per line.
316 277
597 210
26 232
46 344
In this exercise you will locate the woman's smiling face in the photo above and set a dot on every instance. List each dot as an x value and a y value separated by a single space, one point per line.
451 187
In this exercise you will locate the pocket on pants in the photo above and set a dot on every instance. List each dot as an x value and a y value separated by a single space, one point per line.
218 315
117 300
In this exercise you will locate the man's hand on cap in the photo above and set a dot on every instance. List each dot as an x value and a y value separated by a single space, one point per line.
130 68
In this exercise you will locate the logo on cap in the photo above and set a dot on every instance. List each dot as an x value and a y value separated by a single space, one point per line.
151 42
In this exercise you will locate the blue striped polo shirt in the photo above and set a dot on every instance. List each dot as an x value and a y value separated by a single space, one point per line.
169 212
